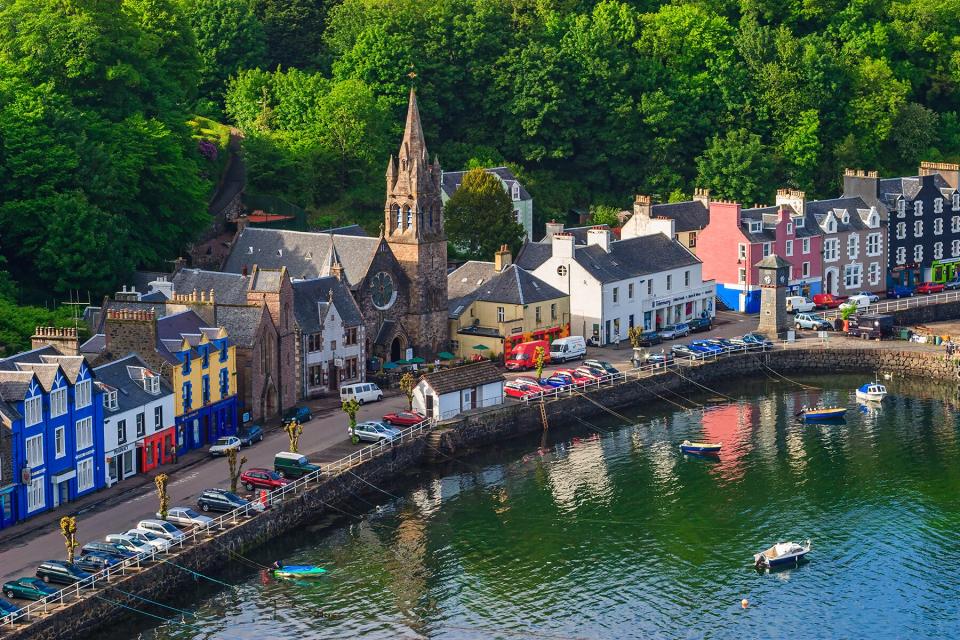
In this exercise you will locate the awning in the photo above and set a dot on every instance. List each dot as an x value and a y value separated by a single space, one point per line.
62 477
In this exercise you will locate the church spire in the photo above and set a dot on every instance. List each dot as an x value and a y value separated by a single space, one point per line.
413 143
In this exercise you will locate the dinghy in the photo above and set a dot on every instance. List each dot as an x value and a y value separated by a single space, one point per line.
872 391
781 554
299 571
820 414
700 448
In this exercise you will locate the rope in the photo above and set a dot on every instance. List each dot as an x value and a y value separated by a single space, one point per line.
705 387
154 602
589 425
152 615
799 384
373 485
607 409
200 575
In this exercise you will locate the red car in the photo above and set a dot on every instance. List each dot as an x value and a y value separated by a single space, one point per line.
262 479
578 378
931 287
828 301
403 418
521 389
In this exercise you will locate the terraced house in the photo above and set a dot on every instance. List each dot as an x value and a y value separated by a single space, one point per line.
52 418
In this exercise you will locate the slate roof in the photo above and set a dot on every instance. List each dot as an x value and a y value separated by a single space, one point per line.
173 329
385 331
95 344
691 215
32 356
304 254
771 214
465 279
70 365
532 255
855 206
450 181
131 394
511 286
463 377
46 373
349 230
267 279
241 323
14 385
309 294
228 288
159 308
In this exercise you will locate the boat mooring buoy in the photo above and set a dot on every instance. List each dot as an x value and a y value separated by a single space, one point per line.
744 603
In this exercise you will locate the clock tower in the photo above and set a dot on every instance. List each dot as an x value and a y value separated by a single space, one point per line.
413 228
774 321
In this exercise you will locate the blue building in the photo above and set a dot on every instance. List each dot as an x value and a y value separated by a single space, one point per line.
52 419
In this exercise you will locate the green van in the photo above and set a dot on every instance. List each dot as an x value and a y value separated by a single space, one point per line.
293 465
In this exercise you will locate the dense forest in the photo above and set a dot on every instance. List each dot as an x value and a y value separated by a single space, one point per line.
106 163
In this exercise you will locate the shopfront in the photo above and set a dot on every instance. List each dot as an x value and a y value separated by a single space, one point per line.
7 510
203 426
121 463
156 449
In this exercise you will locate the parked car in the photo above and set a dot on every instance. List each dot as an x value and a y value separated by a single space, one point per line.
874 298
94 561
7 608
162 528
250 434
952 284
708 345
701 324
128 543
222 445
797 304
930 287
649 338
61 572
293 465
683 351
721 343
658 360
372 431
558 381
811 321
590 373
403 418
302 414
149 537
220 500
262 479
674 331
524 355
601 364
577 378
857 303
27 588
362 392
530 380
109 548
186 516
520 389
900 291
569 348
827 301
754 340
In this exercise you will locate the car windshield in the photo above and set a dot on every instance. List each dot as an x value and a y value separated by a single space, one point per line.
522 356
223 441
189 513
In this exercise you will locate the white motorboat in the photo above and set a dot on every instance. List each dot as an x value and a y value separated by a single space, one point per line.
782 554
872 391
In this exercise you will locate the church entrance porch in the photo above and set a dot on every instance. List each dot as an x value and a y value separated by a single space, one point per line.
396 349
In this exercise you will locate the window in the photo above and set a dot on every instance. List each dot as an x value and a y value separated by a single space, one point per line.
333 345
874 273
938 226
789 228
515 191
224 383
141 424
686 278
902 255
669 282
35 495
205 389
186 363
81 394
767 248
901 206
186 395
501 314
918 208
538 315
937 250
35 451
121 431
85 474
692 239
852 276
205 356
873 244
805 270
223 351
741 252
59 442
918 229
350 369
399 216
553 310
955 224
33 410
831 250
110 399
918 253
158 418
630 291
755 227
789 248
350 336
409 216
938 205
956 201
315 375
901 230
806 246
84 433
853 246
799 222
616 295
742 276
650 287
314 342
955 249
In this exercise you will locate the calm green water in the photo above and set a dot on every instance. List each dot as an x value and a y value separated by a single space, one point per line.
616 535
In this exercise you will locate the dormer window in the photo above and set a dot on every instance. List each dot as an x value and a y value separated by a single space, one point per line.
515 191
151 384
754 227
110 400
845 217
799 223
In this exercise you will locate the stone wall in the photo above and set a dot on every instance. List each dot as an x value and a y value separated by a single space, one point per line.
928 313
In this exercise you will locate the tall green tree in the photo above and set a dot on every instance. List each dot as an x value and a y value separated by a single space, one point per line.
479 217
738 167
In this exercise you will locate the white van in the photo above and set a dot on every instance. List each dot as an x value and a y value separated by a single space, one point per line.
362 391
858 302
799 304
569 348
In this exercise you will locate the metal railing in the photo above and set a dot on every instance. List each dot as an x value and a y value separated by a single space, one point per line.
899 304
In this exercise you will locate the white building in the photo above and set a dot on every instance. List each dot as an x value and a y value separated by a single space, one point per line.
649 280
330 336
522 200
138 413
447 393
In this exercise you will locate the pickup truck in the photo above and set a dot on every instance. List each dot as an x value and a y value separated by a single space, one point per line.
828 301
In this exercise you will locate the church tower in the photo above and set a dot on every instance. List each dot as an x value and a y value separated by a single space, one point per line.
413 227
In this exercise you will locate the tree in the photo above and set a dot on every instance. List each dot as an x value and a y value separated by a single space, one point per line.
408 383
294 430
539 359
737 167
161 482
68 529
351 407
479 217
604 214
236 467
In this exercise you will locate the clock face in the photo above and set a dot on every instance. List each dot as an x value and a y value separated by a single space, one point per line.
382 291
766 278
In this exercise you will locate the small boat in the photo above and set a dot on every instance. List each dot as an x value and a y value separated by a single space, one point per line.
299 571
700 448
781 554
817 414
872 391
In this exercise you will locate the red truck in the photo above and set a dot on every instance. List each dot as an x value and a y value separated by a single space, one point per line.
523 355
828 301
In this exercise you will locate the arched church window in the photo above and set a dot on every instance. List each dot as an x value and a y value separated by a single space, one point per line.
395 213
409 216
405 214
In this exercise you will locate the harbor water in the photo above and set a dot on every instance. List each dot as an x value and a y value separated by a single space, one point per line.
607 531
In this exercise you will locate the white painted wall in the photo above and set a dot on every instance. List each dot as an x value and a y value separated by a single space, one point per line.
451 404
111 439
333 329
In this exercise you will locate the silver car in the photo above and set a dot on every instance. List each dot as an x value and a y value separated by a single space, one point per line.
149 537
162 528
372 431
187 517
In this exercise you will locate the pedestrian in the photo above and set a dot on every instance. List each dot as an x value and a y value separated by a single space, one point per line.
616 339
173 453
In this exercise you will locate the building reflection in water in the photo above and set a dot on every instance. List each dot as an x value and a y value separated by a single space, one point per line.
731 424
579 472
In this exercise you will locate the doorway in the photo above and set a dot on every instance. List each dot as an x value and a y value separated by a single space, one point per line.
396 349
830 281
429 406
333 377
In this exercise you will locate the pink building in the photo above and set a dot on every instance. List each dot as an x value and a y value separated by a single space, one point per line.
736 239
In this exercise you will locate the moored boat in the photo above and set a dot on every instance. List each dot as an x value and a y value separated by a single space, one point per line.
782 554
700 448
298 571
817 414
872 391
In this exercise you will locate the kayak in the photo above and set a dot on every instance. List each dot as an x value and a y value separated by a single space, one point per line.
299 571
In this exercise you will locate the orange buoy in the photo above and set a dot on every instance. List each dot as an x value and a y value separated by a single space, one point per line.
744 603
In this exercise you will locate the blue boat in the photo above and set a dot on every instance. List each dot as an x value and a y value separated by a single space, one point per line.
700 448
822 414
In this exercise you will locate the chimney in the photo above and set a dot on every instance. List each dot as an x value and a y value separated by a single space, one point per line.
163 285
127 296
336 270
792 198
562 245
950 172
129 331
502 258
553 228
866 184
599 236
63 339
642 206
702 196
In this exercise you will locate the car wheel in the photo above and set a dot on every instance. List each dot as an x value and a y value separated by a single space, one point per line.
248 486
798 327
380 397
360 401
283 474
260 439
204 507
10 594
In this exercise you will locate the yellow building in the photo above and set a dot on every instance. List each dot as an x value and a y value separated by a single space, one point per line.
496 305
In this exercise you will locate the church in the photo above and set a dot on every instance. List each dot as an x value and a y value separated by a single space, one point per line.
399 279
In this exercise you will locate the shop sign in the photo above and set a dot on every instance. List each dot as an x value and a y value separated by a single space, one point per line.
119 451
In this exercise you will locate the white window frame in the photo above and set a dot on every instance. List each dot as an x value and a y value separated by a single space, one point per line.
901 230
789 228
805 270
742 276
805 245
36 494
755 227
84 474
955 224
59 442
58 402
788 247
853 275
151 384
767 249
918 208
918 228
902 207
938 205
853 246
831 250
33 449
110 400
902 255
938 226
937 250
874 274
742 249
81 394
918 253
955 249
956 202
33 411
873 244
84 430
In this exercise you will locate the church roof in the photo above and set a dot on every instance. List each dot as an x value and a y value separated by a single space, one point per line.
309 294
241 323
